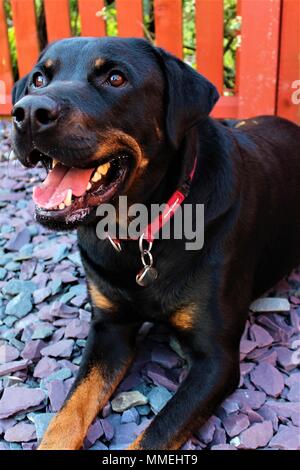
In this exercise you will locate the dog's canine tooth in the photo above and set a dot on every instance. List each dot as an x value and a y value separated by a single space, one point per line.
103 169
54 163
68 198
96 177
88 186
61 206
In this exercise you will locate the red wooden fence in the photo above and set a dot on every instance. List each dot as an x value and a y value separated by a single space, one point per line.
268 59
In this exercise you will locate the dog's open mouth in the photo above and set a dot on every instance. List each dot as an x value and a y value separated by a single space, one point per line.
68 194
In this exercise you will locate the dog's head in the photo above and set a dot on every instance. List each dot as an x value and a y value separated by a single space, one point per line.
104 116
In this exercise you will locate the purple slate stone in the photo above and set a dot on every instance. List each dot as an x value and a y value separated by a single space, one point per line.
287 438
296 418
45 367
40 279
283 409
106 410
294 392
15 399
223 447
95 431
19 240
269 356
108 429
62 322
130 416
248 399
77 329
286 358
32 349
230 405
130 382
62 348
124 435
254 417
260 336
45 314
165 357
84 315
29 446
188 445
219 436
41 294
267 378
68 385
21 432
60 310
8 353
293 379
246 367
160 377
207 431
247 346
258 435
68 364
6 424
236 423
14 366
56 392
269 415
58 334
27 269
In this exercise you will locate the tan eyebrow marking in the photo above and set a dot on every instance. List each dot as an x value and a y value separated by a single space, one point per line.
99 62
49 63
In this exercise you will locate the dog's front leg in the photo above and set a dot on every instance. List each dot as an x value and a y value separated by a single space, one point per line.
108 353
211 378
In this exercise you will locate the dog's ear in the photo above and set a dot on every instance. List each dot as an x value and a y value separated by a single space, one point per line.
19 89
190 96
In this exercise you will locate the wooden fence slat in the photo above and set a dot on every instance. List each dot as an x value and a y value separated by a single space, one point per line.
289 65
24 19
209 38
6 79
57 19
258 57
168 25
91 23
130 18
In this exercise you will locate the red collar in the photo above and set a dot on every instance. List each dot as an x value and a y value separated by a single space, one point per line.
172 205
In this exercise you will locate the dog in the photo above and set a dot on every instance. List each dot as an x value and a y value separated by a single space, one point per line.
139 118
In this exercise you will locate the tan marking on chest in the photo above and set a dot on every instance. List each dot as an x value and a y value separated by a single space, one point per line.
183 319
99 300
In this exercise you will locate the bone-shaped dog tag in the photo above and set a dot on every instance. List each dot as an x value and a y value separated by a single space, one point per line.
146 276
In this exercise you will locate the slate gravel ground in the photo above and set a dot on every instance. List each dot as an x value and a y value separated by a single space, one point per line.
44 319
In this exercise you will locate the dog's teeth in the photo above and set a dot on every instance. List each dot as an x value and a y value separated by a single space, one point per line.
54 163
103 169
61 206
88 186
68 198
96 177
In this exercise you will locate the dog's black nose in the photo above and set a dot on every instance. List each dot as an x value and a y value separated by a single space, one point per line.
39 113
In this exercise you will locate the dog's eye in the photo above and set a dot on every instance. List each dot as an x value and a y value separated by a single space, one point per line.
116 79
38 80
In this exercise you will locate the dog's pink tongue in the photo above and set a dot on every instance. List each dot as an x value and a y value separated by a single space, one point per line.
54 189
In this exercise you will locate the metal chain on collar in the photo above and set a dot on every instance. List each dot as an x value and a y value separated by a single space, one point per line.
148 273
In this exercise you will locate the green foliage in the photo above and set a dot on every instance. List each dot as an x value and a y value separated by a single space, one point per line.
109 13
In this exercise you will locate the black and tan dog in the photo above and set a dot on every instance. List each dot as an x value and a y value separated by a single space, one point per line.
137 117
